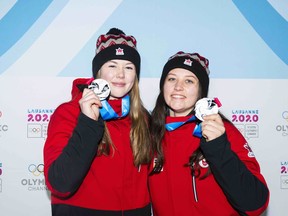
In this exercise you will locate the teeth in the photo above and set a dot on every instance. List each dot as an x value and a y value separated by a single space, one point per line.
177 96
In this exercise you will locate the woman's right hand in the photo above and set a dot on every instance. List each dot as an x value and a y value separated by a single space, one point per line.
212 127
90 103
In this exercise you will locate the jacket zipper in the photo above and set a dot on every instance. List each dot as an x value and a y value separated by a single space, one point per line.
194 183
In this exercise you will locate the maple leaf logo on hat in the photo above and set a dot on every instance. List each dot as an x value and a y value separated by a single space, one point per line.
188 62
119 51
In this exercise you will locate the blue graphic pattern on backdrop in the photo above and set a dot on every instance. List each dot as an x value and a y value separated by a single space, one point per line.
18 20
270 26
235 49
27 20
30 29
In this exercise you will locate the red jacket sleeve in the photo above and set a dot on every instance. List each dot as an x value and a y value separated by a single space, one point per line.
70 148
237 171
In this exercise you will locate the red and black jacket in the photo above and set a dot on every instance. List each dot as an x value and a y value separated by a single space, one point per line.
234 187
82 183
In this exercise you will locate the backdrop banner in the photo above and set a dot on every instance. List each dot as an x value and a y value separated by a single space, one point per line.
45 45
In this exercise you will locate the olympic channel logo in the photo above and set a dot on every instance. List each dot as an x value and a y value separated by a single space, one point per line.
283 127
36 170
285 115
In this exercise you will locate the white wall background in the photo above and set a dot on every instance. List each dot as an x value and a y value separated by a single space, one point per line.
45 45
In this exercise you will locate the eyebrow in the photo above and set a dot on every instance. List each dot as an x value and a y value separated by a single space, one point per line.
112 61
129 63
175 74
115 62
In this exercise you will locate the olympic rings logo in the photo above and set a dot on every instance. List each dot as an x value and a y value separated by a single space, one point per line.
284 183
285 115
35 130
36 170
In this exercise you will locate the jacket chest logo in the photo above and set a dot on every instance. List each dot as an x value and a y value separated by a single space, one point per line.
203 163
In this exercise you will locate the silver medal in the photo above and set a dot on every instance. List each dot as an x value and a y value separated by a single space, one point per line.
206 106
101 88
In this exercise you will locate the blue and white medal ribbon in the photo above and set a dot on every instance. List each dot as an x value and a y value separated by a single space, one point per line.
174 125
204 106
107 112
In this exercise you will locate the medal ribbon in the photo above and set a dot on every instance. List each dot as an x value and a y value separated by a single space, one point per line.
174 125
107 112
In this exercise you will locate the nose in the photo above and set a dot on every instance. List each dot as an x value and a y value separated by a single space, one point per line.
120 73
178 85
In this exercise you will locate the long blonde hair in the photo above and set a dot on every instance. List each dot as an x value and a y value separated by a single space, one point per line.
139 133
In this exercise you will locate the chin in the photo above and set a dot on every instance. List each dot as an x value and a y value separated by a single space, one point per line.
115 97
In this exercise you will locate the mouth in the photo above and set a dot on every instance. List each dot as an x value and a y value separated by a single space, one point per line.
177 96
118 84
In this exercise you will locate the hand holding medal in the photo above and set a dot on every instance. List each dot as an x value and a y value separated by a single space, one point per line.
102 89
207 106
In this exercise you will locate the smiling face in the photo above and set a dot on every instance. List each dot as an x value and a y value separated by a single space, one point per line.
120 74
181 91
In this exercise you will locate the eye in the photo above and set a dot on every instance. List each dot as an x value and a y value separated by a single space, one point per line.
111 65
129 67
189 81
171 79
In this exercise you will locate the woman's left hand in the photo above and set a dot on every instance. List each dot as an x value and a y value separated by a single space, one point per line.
212 127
